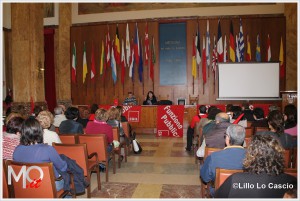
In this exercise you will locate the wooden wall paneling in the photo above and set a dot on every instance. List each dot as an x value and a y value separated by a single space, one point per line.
94 92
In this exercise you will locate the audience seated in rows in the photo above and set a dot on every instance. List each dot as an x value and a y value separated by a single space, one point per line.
11 138
230 158
190 131
33 150
114 119
70 125
263 166
99 126
259 118
59 116
290 120
276 126
46 119
214 137
248 113
235 112
211 114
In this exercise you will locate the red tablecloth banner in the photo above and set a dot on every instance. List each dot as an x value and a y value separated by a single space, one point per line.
132 112
170 120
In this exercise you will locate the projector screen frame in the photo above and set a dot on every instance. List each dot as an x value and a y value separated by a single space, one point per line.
250 98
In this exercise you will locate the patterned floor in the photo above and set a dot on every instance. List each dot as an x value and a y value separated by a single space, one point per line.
163 170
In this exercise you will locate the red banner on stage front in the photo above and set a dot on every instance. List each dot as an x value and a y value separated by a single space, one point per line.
170 120
132 113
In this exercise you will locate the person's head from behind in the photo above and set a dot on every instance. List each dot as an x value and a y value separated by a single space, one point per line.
94 108
36 110
72 113
212 113
14 125
235 135
150 95
12 115
228 107
258 113
45 118
236 111
58 111
31 132
290 114
114 114
222 117
21 110
276 122
245 106
264 155
202 109
85 113
100 115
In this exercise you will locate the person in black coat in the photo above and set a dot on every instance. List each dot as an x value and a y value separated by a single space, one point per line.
263 172
150 99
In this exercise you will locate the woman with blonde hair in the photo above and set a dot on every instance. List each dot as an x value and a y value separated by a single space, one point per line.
46 119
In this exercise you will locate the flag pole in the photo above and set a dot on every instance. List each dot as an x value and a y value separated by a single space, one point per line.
193 85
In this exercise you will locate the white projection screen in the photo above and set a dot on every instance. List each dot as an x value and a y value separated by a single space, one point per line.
248 81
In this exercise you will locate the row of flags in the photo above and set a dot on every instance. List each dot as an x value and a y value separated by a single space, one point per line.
220 53
117 53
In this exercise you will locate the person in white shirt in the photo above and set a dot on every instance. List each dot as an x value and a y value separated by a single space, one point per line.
59 116
46 118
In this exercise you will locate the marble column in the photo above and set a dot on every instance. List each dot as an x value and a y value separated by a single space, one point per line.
27 53
63 65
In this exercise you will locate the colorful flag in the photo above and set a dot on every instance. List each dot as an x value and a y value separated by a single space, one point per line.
204 62
194 63
225 50
207 44
107 48
93 69
141 65
237 50
102 58
117 47
113 65
257 52
146 45
241 42
198 48
136 45
153 60
220 44
268 49
123 64
84 70
128 54
214 57
231 44
281 59
248 54
131 67
74 63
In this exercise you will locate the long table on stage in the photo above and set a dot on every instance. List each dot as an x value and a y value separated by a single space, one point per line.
148 120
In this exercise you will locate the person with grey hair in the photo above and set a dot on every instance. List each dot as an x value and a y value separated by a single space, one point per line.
230 158
59 116
214 137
